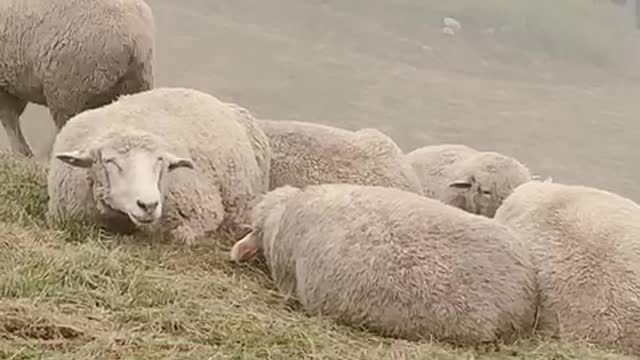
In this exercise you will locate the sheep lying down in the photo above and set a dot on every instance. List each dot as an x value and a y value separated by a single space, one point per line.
398 263
169 159
585 246
312 154
472 180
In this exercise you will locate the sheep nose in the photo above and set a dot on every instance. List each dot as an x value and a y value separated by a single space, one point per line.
149 206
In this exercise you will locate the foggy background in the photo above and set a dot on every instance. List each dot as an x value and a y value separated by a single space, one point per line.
566 111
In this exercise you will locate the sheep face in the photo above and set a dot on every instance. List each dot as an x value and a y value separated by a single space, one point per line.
127 180
483 181
474 196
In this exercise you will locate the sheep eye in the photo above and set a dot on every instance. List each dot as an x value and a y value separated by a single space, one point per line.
113 162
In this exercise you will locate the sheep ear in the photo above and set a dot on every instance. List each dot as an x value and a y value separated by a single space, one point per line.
245 249
461 184
77 158
245 229
176 162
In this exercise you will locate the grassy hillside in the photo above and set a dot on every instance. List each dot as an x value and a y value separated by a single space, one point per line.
69 292
80 294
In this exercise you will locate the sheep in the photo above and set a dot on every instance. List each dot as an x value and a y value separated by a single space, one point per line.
397 263
171 159
70 56
451 23
311 154
472 180
585 247
259 140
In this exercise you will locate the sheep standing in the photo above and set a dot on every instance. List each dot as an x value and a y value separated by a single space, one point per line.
585 246
398 263
472 180
311 154
71 55
176 157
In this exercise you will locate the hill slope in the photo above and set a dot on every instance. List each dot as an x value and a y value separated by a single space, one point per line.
75 293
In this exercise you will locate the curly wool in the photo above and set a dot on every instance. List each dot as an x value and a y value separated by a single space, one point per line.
363 254
312 154
223 186
585 244
71 55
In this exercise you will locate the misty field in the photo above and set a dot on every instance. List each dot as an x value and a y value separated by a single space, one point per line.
553 83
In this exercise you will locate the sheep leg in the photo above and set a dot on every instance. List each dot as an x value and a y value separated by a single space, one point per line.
10 110
185 235
60 117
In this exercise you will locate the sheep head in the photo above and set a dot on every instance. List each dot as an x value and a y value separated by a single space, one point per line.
127 173
472 196
482 182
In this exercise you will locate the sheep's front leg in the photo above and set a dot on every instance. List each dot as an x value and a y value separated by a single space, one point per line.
11 108
185 234
193 209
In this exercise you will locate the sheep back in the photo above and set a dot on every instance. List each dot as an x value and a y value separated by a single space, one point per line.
397 263
585 246
259 142
70 55
311 154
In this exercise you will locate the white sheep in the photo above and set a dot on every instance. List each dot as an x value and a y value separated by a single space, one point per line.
458 175
585 246
452 23
310 154
398 263
71 55
173 157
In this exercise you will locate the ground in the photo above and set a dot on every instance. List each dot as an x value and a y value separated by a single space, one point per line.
77 293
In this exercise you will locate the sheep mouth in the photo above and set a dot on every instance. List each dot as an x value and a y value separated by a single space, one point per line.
142 220
113 210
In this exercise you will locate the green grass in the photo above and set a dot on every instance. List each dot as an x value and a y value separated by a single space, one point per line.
85 295
590 31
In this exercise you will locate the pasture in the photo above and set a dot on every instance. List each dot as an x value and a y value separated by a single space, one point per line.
562 100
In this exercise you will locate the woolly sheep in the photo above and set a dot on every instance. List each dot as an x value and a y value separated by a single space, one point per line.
585 246
472 180
174 154
259 140
452 23
71 55
400 264
312 154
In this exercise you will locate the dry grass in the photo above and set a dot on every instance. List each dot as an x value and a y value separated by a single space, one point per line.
85 295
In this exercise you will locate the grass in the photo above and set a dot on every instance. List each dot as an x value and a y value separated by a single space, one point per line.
589 31
86 295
